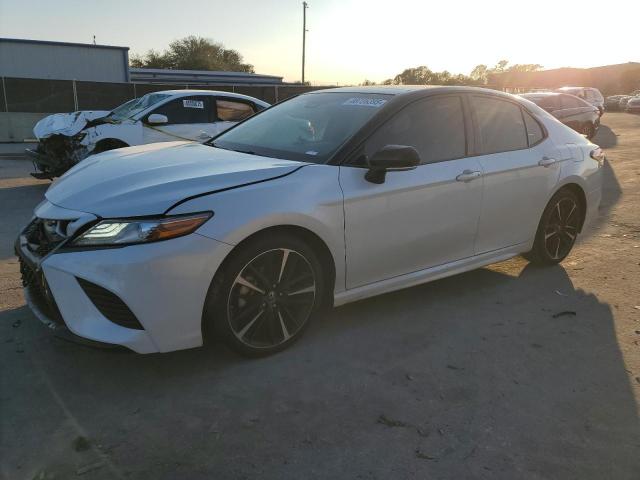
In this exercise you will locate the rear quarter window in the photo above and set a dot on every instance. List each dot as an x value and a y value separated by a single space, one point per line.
535 134
233 111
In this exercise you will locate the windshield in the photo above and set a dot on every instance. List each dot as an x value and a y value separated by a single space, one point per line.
308 128
137 105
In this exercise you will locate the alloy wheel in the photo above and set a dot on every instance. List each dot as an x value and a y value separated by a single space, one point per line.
561 228
271 298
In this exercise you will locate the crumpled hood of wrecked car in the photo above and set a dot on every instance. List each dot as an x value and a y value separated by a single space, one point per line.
150 179
67 124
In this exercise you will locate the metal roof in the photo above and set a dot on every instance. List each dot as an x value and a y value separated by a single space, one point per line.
160 75
63 44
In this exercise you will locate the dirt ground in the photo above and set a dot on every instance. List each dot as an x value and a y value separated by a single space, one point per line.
475 376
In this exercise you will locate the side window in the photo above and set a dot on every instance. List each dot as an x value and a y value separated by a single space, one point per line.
534 130
435 127
569 101
186 110
500 125
233 111
548 102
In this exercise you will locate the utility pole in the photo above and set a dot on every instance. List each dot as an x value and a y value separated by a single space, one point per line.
304 34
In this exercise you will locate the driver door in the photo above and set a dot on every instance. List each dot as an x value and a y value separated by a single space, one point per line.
189 118
419 218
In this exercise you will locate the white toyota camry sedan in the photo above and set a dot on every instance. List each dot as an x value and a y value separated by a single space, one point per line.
329 197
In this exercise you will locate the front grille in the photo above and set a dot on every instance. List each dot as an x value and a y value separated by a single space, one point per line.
110 305
40 293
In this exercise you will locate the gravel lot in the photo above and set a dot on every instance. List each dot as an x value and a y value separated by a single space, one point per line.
468 377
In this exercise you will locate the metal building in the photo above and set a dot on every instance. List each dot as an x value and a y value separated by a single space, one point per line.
21 58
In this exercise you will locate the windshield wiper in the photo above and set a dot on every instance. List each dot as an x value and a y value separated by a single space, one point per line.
213 144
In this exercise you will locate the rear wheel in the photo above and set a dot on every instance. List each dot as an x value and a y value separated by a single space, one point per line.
557 230
265 295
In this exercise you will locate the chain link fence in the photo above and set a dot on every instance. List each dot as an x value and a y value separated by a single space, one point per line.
27 95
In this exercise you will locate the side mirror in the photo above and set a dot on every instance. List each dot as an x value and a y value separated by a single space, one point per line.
391 158
157 119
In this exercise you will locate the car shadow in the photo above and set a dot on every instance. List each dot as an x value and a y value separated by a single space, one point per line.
611 190
504 372
16 208
605 137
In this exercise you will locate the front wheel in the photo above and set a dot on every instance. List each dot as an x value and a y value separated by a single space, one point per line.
265 295
108 144
557 230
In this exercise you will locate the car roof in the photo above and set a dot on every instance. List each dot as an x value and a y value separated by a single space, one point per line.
183 92
542 94
403 90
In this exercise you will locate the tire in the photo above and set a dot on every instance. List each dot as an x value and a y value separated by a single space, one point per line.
109 144
557 230
265 295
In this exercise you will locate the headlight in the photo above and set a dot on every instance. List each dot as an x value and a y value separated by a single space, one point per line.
130 231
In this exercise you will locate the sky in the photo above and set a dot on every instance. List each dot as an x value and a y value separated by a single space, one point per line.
349 40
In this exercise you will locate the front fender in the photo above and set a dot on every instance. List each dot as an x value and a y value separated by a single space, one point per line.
125 132
310 198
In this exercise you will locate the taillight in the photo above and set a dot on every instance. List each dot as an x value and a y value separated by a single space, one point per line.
598 155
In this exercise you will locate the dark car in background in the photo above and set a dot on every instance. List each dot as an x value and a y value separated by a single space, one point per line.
589 94
612 103
622 104
633 105
569 109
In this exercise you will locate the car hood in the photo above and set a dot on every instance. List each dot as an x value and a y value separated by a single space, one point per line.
150 179
67 124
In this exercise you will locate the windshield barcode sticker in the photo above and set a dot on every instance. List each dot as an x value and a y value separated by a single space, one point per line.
365 102
193 104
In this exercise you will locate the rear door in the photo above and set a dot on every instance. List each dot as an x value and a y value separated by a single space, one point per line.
419 218
577 112
189 119
520 166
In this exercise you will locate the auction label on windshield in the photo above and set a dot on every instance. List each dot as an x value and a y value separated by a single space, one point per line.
365 102
193 104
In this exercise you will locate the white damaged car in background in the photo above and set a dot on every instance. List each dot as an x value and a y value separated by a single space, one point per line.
64 139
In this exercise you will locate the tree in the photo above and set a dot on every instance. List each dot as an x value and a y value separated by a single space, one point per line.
422 75
193 53
151 59
480 73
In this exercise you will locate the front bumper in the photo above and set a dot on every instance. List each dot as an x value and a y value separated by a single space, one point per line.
164 284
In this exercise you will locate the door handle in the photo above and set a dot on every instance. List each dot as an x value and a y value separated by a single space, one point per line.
468 175
546 162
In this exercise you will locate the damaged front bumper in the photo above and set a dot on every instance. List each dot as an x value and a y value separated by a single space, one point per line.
56 154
